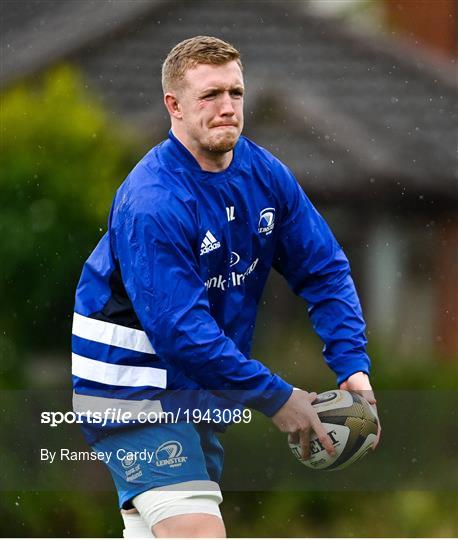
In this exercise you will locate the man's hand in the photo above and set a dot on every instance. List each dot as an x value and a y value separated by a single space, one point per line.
298 418
359 383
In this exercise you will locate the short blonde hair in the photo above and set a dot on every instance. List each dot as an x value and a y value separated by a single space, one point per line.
190 52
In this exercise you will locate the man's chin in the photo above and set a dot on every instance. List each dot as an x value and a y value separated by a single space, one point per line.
223 145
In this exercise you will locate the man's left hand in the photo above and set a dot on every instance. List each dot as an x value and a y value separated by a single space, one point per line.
359 383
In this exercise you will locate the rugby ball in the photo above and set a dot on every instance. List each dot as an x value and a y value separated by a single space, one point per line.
350 422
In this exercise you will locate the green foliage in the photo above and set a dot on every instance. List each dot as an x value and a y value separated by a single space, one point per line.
60 514
61 160
344 514
341 514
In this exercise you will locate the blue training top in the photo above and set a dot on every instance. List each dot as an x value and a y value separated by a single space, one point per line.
167 301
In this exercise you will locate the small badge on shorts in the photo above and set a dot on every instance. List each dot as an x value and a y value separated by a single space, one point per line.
169 453
131 467
134 473
129 460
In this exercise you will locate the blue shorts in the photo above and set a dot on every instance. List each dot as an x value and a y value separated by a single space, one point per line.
158 455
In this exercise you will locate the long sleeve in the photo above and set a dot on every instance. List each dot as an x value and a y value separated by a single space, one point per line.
156 245
317 270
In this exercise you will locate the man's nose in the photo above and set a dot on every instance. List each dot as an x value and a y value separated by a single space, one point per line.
226 105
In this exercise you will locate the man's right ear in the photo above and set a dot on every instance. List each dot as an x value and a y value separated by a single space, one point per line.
173 105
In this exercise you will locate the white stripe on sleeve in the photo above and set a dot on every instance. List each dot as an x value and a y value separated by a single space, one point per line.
118 375
111 334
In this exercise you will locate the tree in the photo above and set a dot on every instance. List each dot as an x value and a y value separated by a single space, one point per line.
61 160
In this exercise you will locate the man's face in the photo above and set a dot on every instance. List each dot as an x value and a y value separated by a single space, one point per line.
211 102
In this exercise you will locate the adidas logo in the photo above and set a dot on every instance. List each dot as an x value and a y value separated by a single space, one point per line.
209 243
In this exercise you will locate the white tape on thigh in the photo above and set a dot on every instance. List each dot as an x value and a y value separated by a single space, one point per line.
195 497
135 526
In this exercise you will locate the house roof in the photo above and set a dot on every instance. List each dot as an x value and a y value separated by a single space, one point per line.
346 112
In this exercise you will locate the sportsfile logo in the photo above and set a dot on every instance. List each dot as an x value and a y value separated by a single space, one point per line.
233 280
209 243
266 221
169 453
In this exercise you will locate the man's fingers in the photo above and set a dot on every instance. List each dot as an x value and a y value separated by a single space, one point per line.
370 397
304 437
377 440
323 437
379 427
312 396
293 438
374 409
367 394
325 440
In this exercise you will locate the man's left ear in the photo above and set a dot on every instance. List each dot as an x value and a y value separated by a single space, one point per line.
173 105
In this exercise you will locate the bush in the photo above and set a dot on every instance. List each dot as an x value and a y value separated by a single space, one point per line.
61 160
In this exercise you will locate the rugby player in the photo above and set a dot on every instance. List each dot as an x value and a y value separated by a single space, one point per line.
166 303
